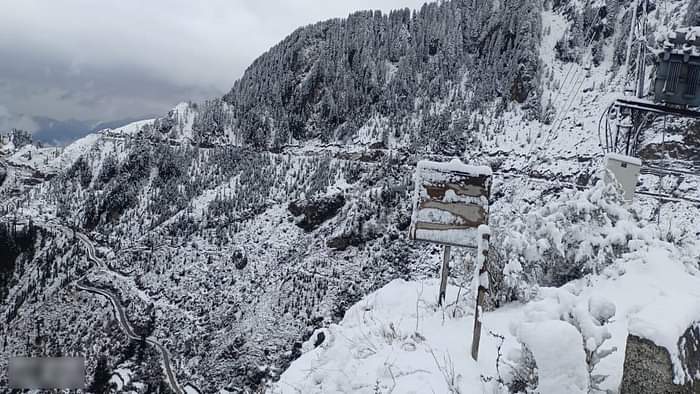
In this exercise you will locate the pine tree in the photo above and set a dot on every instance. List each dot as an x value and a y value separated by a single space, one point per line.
100 380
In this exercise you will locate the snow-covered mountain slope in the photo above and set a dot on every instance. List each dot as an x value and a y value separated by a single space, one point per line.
398 339
32 163
233 229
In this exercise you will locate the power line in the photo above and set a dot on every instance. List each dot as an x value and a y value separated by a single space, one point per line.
559 118
571 65
572 185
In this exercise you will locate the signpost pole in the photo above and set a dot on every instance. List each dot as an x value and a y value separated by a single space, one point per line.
444 274
482 280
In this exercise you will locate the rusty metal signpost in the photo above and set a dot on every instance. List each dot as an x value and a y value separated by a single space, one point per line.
482 276
451 208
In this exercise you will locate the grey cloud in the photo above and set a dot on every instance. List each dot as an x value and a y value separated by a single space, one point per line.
9 120
112 59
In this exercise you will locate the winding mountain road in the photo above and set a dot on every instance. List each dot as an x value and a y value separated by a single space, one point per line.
121 314
129 331
116 305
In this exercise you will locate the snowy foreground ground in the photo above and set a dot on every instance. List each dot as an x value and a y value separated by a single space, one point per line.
398 340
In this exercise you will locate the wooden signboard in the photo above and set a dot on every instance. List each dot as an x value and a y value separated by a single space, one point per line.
451 201
451 207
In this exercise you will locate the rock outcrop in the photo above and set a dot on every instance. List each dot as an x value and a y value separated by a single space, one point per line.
648 367
312 213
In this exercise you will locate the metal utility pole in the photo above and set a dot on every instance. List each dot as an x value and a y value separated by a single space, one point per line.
641 61
445 273
630 39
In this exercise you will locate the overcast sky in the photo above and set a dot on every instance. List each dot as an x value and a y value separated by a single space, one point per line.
113 59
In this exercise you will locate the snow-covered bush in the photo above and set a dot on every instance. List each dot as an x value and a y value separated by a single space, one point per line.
516 371
560 352
558 355
590 322
572 235
524 371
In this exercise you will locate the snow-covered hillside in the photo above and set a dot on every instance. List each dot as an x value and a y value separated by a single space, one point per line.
398 339
231 234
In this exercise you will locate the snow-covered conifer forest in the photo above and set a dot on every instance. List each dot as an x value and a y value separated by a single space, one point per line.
257 242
